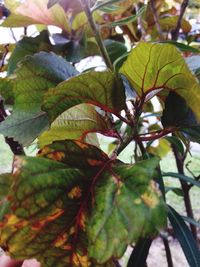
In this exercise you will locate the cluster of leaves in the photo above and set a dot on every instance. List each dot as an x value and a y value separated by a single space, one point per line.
73 204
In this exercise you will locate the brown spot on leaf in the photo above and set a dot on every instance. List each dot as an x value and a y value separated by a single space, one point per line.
80 260
76 192
94 162
81 145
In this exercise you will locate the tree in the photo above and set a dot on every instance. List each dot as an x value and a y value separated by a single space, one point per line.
73 204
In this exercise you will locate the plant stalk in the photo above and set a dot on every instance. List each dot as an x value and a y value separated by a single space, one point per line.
156 19
185 188
175 32
96 33
168 252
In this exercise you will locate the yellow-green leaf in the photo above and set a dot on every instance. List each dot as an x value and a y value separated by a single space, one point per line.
152 68
74 123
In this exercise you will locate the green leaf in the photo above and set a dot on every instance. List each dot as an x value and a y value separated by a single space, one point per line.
169 23
191 221
110 8
152 68
140 252
182 47
192 133
175 190
177 113
29 46
102 4
20 20
161 150
34 76
24 127
115 49
6 90
182 178
129 19
119 61
126 207
185 238
177 142
74 123
97 88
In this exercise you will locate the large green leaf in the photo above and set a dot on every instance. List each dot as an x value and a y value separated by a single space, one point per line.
29 46
151 68
6 90
35 12
97 88
34 76
126 207
74 123
50 206
184 236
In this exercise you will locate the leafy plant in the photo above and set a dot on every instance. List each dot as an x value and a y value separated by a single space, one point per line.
74 204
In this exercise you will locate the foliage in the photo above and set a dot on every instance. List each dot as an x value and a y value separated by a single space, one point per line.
74 204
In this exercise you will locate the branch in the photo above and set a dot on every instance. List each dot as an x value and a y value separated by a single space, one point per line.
185 188
175 32
96 33
168 251
156 19
4 57
156 135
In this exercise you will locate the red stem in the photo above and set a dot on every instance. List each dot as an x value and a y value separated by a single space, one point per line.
156 135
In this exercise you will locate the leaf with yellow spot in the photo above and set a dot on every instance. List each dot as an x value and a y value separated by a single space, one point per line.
41 217
125 210
76 154
64 213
